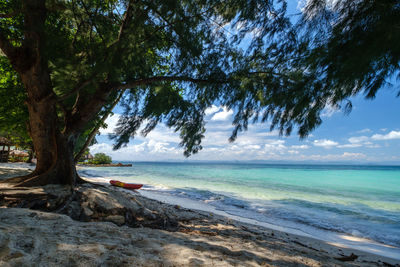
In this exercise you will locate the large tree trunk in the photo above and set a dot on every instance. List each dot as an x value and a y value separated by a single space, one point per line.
53 147
54 150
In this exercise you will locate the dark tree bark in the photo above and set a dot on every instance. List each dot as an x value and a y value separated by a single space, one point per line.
53 146
96 128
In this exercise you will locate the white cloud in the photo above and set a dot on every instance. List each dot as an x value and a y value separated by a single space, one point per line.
211 110
328 111
162 134
111 122
258 143
364 131
371 145
358 139
144 151
274 145
223 115
325 143
353 155
300 147
253 147
389 136
349 145
338 157
216 138
218 133
302 4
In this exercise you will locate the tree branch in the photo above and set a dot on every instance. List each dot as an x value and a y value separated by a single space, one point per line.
155 79
97 127
127 16
84 111
124 23
79 87
93 22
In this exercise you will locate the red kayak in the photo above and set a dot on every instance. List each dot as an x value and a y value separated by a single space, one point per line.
125 185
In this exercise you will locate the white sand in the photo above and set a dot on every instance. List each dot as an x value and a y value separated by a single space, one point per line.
32 238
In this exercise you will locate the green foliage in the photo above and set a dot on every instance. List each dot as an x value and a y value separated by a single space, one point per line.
350 47
82 138
179 57
82 159
14 115
100 158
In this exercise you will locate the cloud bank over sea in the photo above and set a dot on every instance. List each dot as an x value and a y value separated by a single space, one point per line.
330 143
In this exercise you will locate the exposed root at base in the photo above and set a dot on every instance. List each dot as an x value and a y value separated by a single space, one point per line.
89 202
18 179
33 180
37 180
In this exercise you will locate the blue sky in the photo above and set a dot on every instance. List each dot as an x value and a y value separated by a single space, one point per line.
369 134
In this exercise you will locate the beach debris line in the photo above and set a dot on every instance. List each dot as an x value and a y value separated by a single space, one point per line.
351 257
125 185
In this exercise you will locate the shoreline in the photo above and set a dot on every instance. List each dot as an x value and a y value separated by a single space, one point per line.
336 239
339 239
312 251
331 238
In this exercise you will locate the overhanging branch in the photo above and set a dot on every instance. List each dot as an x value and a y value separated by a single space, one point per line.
97 127
150 80
79 87
125 21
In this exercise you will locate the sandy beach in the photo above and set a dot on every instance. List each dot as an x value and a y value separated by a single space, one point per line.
199 238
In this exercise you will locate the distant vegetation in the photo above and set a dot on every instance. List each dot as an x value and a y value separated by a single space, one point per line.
100 158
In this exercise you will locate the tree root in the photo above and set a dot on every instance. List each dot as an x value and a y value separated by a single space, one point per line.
49 177
18 179
37 180
90 202
38 198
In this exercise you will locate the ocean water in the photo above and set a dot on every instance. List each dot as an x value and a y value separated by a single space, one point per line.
359 201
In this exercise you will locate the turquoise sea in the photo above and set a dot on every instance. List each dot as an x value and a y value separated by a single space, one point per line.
360 201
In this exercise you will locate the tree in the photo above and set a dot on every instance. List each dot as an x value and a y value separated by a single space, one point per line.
88 138
174 58
349 47
13 112
101 158
74 56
